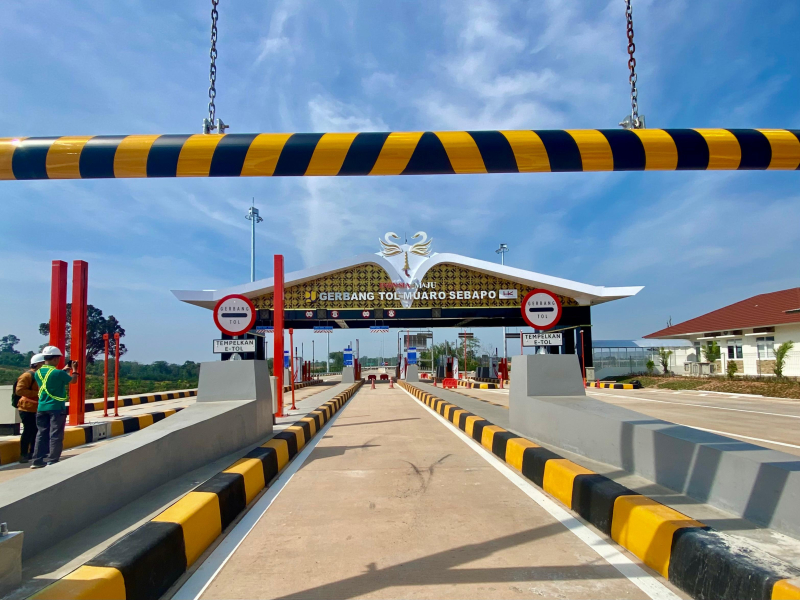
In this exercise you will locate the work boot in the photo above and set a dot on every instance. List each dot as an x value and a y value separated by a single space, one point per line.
24 459
36 465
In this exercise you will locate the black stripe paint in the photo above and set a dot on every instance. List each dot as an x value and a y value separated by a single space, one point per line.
97 157
429 157
462 420
498 157
756 149
593 498
627 149
229 488
151 558
477 429
29 160
158 416
162 160
796 133
269 461
306 427
500 441
692 149
291 441
562 150
296 154
130 424
230 153
363 153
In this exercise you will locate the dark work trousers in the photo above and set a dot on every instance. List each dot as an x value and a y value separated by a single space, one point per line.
49 437
28 437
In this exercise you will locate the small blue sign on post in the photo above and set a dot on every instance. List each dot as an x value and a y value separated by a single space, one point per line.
348 357
412 356
285 359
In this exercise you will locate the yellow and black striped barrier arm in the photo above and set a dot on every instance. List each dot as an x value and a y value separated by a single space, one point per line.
397 153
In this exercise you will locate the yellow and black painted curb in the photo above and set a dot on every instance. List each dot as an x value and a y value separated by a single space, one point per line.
694 557
141 399
90 432
491 380
146 562
478 386
396 153
614 386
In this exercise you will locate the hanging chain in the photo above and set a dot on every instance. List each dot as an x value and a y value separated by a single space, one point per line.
210 124
633 121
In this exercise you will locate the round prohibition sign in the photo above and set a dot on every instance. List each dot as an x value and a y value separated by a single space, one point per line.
234 315
541 309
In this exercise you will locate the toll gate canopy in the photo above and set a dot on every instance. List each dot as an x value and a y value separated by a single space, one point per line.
405 285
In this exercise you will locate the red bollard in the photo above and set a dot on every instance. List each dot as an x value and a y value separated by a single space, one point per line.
391 383
116 375
105 376
373 383
434 382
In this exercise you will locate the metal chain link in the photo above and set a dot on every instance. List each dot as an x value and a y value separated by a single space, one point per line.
209 124
634 121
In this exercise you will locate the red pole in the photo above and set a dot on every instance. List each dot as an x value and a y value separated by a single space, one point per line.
58 308
116 374
277 321
465 355
583 367
291 363
105 376
77 344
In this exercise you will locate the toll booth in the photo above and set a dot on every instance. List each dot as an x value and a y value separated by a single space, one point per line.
489 367
445 367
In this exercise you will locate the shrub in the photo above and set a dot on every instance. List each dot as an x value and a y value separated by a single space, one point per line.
732 368
650 366
780 357
663 357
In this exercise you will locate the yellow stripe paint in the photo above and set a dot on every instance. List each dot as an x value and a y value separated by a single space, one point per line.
169 412
145 421
198 515
462 151
330 153
786 589
117 428
64 155
487 435
645 527
252 469
311 424
515 448
469 426
529 151
9 451
7 147
559 475
396 152
263 154
281 447
86 583
196 154
724 151
595 150
130 159
785 149
299 434
455 415
660 151
74 436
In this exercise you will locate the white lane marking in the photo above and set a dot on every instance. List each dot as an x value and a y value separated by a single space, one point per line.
633 572
746 437
196 585
756 412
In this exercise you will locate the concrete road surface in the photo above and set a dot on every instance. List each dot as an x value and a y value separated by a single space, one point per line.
391 503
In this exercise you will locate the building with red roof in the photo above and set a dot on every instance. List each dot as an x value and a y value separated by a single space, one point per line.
748 332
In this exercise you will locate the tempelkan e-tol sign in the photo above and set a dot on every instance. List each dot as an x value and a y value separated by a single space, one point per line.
232 346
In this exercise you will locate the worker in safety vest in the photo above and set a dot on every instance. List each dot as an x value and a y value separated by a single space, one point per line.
52 413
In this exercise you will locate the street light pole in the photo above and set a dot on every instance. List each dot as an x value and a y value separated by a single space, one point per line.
253 216
502 252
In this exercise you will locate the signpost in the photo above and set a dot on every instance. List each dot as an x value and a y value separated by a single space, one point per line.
531 340
348 357
234 346
412 356
541 309
235 315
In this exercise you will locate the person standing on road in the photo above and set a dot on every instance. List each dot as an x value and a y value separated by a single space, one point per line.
52 414
28 392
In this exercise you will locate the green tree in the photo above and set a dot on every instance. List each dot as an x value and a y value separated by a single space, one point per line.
711 351
337 361
650 365
663 358
96 326
7 343
780 357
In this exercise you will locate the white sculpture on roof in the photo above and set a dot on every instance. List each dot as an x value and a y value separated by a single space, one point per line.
406 259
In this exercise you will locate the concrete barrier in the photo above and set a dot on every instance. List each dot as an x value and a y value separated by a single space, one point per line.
348 375
702 562
147 561
66 497
412 374
548 403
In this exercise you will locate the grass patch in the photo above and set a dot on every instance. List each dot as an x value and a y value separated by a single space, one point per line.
760 386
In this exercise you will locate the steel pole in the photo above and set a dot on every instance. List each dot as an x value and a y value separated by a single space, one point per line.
277 361
105 375
58 308
116 374
252 249
77 343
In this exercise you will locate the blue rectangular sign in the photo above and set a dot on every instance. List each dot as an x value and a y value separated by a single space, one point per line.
348 357
412 356
285 359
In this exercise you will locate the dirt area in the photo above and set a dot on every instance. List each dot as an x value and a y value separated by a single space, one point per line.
762 387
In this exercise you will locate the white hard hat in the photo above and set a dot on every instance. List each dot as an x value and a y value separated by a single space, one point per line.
36 359
50 352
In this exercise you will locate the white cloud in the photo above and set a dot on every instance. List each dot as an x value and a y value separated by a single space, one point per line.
328 114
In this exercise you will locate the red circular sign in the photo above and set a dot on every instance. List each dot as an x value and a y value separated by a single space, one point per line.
541 309
235 315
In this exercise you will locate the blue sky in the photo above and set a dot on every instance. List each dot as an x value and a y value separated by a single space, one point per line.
696 241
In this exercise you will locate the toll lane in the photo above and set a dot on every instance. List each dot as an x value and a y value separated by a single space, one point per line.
391 503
